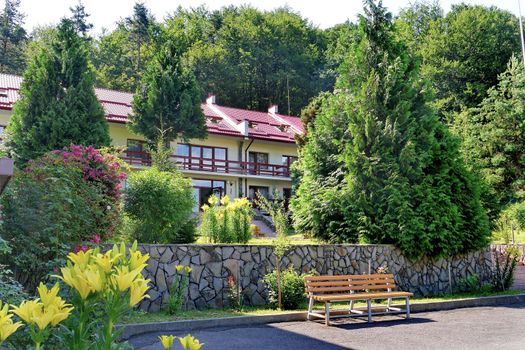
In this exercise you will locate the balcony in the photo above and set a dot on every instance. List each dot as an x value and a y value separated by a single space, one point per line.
217 166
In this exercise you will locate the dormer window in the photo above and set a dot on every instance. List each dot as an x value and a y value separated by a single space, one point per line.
252 125
214 120
283 128
3 92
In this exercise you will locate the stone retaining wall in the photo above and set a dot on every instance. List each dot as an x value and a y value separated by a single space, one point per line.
212 264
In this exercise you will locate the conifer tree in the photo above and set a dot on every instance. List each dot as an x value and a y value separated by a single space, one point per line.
494 139
378 165
167 106
57 105
79 16
12 38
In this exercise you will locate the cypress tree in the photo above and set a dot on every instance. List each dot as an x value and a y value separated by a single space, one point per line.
384 166
167 105
57 105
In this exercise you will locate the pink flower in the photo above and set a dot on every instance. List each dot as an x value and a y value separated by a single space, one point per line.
95 239
79 248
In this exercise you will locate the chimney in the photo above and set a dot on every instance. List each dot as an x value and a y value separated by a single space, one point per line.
211 99
274 109
244 127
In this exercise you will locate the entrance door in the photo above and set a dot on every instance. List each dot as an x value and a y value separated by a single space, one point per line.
204 189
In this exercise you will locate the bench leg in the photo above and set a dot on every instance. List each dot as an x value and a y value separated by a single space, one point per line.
389 304
327 313
369 304
310 307
351 306
407 306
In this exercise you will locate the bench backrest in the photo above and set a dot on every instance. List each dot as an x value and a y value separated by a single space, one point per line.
344 284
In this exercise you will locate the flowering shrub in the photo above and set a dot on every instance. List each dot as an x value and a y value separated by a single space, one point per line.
227 223
102 288
64 198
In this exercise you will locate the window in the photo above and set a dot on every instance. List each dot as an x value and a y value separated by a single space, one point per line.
137 151
288 160
262 190
205 158
204 189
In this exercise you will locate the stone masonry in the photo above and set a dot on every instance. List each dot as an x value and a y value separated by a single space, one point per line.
212 264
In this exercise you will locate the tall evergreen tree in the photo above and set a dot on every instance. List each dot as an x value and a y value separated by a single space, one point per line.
12 38
378 164
167 106
494 139
57 105
139 25
79 16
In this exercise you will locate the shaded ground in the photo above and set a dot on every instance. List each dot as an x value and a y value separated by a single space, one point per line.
475 328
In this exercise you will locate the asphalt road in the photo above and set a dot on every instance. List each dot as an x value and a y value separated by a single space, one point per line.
501 327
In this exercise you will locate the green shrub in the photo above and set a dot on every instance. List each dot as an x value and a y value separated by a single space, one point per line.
227 223
292 285
159 205
511 219
64 198
505 264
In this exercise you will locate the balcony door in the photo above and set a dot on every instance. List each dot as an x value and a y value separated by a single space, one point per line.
137 153
258 162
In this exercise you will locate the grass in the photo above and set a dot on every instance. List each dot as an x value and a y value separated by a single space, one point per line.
144 317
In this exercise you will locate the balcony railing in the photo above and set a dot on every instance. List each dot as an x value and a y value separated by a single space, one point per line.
213 165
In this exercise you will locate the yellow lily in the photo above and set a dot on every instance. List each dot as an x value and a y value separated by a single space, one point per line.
94 279
58 314
188 269
190 343
106 261
73 276
138 291
48 296
167 341
27 310
42 319
7 327
124 278
137 260
179 268
81 258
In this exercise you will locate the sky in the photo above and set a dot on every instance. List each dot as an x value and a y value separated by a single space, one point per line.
324 13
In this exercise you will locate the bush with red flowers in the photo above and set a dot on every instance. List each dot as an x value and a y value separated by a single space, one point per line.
58 201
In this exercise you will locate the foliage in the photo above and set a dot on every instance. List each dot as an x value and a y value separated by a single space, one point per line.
57 105
13 38
79 16
379 165
63 198
505 264
102 287
292 284
464 52
510 223
227 223
234 294
178 290
160 205
167 104
469 284
494 139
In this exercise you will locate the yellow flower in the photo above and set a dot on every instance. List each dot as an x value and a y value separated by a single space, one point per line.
7 327
213 200
167 341
190 343
94 278
74 277
27 310
106 261
42 319
137 260
81 258
188 269
179 268
225 200
138 291
59 314
124 278
48 296
205 207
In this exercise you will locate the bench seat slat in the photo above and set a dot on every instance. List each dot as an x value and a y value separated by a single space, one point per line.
350 277
357 296
348 288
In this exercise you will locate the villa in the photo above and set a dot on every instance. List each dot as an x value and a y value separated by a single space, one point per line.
245 151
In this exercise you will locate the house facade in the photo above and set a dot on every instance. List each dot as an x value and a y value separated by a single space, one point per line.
245 151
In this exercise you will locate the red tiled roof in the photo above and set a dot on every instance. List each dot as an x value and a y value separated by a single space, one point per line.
220 119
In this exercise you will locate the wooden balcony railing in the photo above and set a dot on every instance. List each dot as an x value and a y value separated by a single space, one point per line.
212 165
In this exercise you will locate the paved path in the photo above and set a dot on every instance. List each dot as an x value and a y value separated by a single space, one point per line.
474 328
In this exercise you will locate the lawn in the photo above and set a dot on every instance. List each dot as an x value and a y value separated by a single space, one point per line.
144 317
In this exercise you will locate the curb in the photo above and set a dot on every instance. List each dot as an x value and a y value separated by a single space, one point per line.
132 330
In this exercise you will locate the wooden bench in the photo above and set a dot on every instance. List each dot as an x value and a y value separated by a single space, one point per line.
349 288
